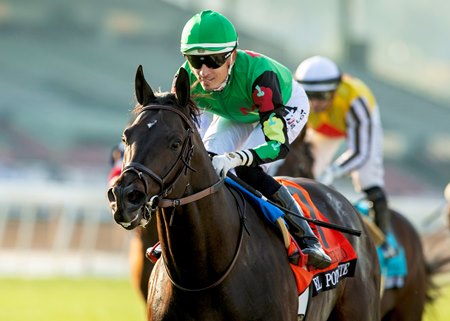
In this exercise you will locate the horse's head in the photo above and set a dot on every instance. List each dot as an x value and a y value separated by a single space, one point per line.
158 149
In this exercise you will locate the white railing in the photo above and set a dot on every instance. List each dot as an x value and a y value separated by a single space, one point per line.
64 229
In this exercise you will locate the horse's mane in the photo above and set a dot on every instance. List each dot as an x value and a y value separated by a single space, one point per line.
169 99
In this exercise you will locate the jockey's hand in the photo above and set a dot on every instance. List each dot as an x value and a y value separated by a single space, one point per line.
328 175
223 163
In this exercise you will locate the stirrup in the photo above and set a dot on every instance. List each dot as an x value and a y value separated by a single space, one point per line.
316 254
294 258
317 259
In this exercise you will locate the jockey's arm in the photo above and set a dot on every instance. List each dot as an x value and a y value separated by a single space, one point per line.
267 98
358 138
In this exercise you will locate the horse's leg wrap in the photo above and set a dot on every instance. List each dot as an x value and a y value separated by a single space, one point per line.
301 229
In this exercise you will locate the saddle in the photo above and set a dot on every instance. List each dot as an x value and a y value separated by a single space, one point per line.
333 242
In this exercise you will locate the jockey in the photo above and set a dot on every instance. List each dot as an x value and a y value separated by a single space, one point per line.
252 109
344 109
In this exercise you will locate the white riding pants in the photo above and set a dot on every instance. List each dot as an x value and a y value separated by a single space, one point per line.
221 135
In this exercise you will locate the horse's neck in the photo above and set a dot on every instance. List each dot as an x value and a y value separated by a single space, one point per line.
200 238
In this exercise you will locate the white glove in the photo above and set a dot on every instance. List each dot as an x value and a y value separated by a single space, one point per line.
329 175
223 163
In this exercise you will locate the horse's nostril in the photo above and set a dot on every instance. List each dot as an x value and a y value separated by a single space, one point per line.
135 197
111 196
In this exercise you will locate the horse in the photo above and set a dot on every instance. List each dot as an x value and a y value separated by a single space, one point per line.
221 260
406 303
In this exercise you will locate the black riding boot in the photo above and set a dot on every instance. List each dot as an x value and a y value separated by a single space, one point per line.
302 231
377 196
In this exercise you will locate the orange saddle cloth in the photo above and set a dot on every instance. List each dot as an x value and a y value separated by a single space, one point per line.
333 242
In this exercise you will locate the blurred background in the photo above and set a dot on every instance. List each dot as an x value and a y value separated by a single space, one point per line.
67 87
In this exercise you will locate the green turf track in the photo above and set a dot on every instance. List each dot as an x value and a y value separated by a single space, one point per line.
69 300
103 299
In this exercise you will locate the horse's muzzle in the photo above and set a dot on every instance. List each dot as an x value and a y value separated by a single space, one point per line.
126 205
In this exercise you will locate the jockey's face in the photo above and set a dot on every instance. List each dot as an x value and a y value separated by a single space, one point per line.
320 102
210 78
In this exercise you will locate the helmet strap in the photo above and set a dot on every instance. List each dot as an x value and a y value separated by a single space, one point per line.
224 84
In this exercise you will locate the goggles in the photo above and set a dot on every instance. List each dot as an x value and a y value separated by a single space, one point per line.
319 95
211 61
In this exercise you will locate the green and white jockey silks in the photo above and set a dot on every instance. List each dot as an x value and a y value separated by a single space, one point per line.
261 109
208 32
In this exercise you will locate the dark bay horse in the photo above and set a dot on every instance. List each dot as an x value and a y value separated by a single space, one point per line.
221 260
401 304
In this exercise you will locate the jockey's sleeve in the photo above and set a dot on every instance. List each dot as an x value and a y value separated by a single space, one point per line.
267 98
359 138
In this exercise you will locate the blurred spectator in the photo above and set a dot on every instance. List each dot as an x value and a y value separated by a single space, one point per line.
116 163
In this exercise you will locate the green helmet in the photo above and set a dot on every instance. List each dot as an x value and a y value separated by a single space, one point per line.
208 32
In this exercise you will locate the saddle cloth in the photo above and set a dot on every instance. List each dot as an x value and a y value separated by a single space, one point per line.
394 269
333 242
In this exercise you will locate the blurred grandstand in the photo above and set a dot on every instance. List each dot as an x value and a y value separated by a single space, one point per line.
66 83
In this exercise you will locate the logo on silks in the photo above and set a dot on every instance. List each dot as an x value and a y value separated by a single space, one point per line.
291 122
330 279
263 98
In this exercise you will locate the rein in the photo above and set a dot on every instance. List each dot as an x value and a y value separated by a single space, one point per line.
159 201
233 261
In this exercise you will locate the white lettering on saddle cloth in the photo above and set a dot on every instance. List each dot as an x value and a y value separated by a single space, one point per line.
330 279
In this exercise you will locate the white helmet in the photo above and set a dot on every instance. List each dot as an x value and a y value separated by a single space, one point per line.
318 74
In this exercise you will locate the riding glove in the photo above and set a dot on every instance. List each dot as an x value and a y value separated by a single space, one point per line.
329 175
223 163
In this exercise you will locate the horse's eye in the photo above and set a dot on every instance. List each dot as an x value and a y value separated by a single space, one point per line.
176 144
125 135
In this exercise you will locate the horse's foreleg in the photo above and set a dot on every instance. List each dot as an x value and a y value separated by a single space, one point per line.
136 261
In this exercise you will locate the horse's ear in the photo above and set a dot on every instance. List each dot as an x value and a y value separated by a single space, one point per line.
144 93
182 87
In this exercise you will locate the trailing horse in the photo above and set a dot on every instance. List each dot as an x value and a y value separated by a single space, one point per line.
402 302
221 259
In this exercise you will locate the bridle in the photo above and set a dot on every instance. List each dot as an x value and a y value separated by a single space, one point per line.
154 202
145 174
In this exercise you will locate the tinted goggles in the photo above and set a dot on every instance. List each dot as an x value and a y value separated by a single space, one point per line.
319 95
211 61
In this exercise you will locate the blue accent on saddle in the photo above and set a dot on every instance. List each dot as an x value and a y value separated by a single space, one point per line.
271 212
362 207
395 266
